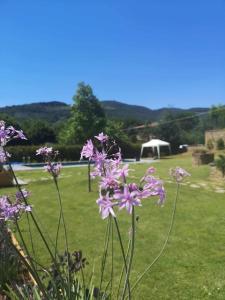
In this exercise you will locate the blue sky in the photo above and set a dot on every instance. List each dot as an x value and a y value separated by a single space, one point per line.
156 53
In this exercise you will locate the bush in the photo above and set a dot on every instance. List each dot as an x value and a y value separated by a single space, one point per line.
220 144
67 152
28 153
210 144
130 150
9 260
220 164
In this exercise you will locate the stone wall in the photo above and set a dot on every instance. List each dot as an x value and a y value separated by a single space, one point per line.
212 136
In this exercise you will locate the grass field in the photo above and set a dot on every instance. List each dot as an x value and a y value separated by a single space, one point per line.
193 265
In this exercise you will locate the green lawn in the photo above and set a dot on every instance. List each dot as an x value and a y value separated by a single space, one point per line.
192 267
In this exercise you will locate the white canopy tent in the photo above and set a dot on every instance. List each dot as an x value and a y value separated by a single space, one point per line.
155 144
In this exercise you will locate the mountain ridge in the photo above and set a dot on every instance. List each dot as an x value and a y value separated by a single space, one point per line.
56 111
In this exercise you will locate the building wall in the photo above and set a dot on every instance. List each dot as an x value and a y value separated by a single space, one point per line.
214 135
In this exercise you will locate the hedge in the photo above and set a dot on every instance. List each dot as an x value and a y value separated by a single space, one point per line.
67 152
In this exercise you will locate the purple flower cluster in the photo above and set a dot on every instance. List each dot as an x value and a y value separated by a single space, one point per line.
3 155
49 155
179 174
7 134
113 187
11 210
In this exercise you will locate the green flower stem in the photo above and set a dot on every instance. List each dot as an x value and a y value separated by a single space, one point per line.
66 235
30 266
123 254
164 244
131 254
104 256
57 233
122 272
112 269
35 221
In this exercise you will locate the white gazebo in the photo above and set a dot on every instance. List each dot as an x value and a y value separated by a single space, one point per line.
155 144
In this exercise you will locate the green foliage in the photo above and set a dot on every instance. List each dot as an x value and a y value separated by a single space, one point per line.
10 265
115 129
210 144
169 131
39 132
220 144
67 152
87 117
217 116
220 164
171 278
28 153
50 112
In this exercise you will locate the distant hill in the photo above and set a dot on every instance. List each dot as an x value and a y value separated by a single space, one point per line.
53 111
119 110
56 111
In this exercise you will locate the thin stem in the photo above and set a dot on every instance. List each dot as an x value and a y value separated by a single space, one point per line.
33 273
112 270
110 282
34 219
121 275
65 233
123 253
57 233
89 176
164 244
83 280
31 214
30 266
31 237
104 256
131 254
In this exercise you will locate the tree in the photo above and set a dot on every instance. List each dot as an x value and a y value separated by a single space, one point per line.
39 132
87 117
168 130
115 129
217 116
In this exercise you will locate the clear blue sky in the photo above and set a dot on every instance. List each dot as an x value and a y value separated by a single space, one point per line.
155 53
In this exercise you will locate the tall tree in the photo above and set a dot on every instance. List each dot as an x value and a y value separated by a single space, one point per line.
87 117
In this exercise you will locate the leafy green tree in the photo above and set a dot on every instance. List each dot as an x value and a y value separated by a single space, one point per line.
217 116
39 132
169 131
115 129
87 117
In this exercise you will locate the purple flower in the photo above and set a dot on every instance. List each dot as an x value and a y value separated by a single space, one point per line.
127 198
123 172
11 211
109 180
154 187
53 168
44 151
88 150
102 137
3 156
21 195
9 133
179 174
105 206
150 170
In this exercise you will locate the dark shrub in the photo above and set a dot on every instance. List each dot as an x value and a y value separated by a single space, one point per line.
67 152
220 144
